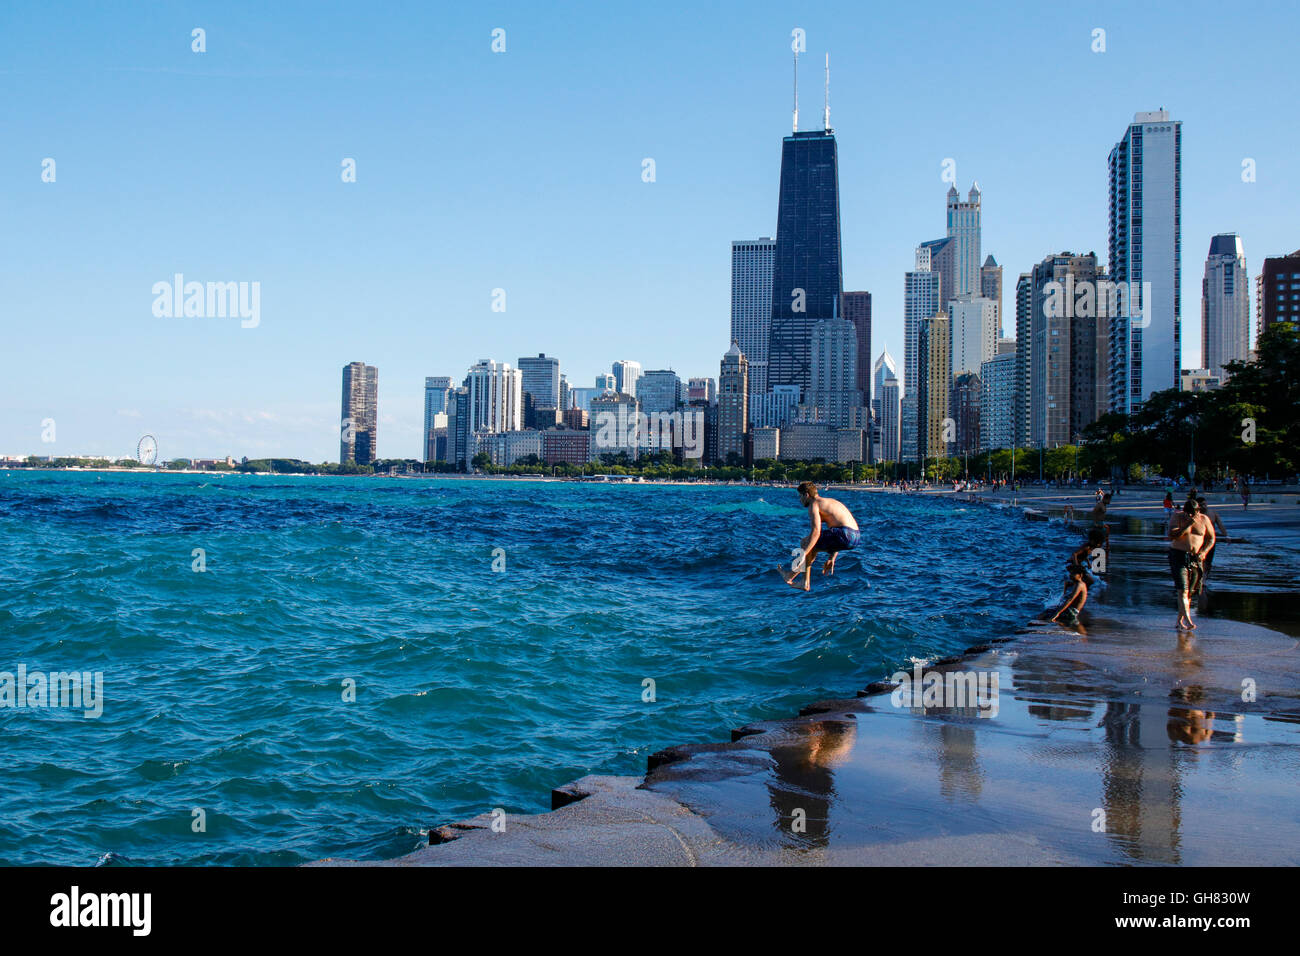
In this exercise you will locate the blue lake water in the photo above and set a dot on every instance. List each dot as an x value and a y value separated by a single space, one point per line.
475 688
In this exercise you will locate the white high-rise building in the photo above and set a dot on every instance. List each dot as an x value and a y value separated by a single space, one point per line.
495 397
964 229
626 375
974 332
882 369
752 262
1225 305
1145 252
890 419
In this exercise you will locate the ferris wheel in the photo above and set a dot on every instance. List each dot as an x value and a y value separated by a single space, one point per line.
146 451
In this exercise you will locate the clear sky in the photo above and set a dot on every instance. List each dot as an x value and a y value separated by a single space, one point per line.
522 171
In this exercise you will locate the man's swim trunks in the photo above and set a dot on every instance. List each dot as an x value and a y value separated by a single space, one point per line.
838 539
1186 569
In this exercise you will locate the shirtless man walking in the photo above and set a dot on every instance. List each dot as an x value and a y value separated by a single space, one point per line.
833 530
1191 536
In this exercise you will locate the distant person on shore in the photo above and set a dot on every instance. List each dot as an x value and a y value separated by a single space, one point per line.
1169 505
1191 535
833 529
1245 495
1098 518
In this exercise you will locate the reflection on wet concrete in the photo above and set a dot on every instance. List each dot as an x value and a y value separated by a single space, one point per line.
803 785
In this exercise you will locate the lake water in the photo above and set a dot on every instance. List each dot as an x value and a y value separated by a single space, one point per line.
498 636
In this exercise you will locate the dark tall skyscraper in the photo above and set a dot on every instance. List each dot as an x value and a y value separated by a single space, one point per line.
807 279
856 307
358 430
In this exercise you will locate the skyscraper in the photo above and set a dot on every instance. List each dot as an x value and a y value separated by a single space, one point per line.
998 376
886 418
883 369
921 297
495 397
964 230
733 404
437 390
834 392
974 333
807 279
856 307
940 257
1068 348
1024 341
967 397
890 419
460 436
751 305
659 390
1225 305
626 374
1277 291
935 375
360 416
541 378
991 288
1145 252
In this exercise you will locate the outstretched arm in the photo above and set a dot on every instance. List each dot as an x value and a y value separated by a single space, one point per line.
815 521
1069 602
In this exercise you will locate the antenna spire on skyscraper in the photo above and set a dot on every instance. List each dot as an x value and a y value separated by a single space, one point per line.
826 116
796 89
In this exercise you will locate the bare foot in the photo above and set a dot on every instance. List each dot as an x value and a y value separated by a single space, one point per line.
829 566
791 577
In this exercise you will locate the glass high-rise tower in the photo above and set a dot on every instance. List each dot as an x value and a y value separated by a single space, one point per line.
1145 252
751 306
807 277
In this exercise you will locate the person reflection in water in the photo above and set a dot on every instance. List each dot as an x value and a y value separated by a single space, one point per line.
803 787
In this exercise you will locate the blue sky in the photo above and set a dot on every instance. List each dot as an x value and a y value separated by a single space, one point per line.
522 171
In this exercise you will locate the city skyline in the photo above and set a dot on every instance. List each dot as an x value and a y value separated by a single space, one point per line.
121 216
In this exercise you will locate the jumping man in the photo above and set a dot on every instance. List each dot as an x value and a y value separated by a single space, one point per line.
833 530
